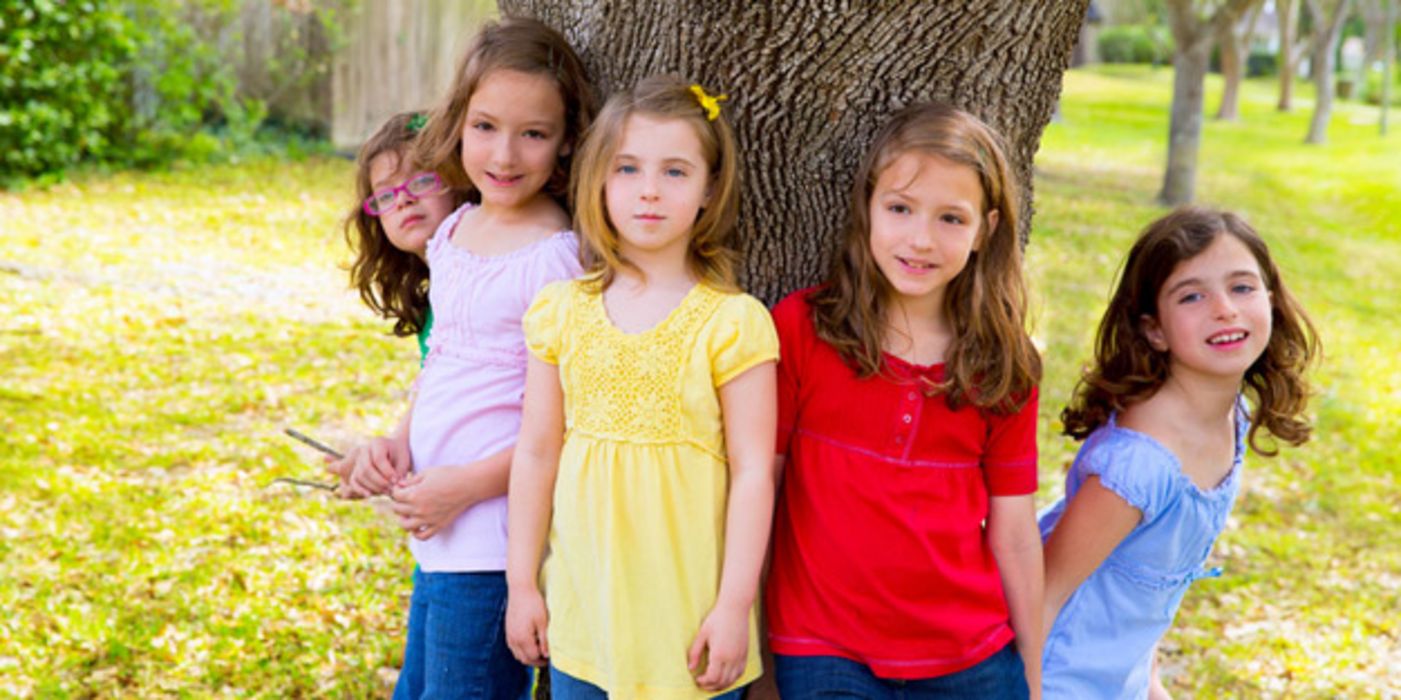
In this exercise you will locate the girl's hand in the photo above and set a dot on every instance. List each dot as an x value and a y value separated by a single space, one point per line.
428 501
723 645
526 623
383 462
342 469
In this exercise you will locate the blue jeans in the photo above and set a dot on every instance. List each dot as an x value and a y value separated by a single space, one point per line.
566 687
457 640
800 677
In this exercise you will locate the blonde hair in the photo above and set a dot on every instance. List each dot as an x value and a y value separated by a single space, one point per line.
992 362
709 254
518 44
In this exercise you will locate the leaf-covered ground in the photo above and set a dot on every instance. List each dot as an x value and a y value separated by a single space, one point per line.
159 330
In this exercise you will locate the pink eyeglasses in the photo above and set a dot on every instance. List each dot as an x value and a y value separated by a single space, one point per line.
419 186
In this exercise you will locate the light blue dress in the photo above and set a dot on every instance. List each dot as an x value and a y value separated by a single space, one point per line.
1102 643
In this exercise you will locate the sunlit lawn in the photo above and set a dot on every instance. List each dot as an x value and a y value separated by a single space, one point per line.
159 330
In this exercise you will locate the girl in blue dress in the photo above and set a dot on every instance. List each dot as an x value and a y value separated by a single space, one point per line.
1200 322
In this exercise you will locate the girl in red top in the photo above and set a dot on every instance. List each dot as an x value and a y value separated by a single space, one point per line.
906 554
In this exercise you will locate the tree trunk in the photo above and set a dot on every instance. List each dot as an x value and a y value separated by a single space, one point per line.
1185 126
1232 70
1287 12
810 81
1388 61
1233 38
1374 31
1328 30
1192 37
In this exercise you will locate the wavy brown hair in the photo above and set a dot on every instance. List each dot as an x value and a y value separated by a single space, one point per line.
991 363
1128 370
392 282
709 253
522 45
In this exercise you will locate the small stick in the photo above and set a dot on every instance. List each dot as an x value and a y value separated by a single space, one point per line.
295 435
304 482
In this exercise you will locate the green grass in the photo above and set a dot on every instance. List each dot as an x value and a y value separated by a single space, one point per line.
166 326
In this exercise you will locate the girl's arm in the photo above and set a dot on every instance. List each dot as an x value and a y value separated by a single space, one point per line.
1156 689
1093 524
429 500
766 688
748 404
1016 544
532 487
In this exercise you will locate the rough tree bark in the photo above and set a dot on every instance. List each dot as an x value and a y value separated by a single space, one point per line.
1193 28
810 81
1328 16
1234 41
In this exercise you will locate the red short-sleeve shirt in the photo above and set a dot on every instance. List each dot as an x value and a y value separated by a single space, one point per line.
880 554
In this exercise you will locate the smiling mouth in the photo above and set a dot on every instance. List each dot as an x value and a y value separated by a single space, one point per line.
916 265
1227 338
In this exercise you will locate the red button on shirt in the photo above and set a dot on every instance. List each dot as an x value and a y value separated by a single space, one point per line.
880 555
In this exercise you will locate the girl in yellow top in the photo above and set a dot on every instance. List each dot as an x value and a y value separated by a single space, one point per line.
649 420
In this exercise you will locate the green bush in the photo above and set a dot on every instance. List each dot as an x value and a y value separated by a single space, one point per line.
62 88
132 83
1372 87
1136 43
1261 63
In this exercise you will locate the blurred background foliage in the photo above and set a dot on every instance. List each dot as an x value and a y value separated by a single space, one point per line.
142 83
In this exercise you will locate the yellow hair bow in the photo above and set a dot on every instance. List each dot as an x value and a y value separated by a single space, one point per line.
711 105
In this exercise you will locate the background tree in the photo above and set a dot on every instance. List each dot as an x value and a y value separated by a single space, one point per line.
1291 50
1328 17
1233 40
1195 23
810 81
1388 61
1374 30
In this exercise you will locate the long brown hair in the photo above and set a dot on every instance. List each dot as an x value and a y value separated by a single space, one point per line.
709 253
1127 369
518 44
991 362
392 282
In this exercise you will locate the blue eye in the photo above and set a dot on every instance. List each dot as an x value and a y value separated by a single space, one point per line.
1243 288
1189 298
675 172
626 169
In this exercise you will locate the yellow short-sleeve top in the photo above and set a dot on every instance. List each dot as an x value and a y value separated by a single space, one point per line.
637 538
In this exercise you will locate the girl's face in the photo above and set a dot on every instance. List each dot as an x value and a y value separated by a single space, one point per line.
513 136
412 220
926 219
657 183
1214 315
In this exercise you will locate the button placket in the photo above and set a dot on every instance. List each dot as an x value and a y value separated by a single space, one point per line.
909 408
